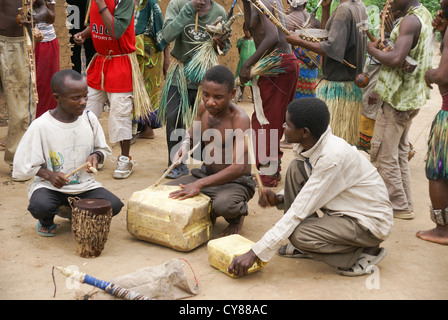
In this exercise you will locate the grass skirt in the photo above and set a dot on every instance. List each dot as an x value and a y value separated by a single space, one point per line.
344 101
437 156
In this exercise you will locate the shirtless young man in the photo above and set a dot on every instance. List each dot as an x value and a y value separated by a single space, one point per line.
276 92
15 73
225 175
438 144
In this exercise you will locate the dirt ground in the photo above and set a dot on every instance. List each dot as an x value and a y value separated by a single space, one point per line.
412 269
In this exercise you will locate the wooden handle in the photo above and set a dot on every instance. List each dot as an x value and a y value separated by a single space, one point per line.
196 23
250 152
85 165
369 35
171 167
86 20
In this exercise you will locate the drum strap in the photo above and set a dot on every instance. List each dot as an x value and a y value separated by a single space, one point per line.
439 216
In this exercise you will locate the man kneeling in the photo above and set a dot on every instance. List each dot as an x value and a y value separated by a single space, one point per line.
329 175
225 175
60 141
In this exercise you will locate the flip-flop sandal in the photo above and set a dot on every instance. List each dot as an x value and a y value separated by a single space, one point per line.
361 265
46 234
288 250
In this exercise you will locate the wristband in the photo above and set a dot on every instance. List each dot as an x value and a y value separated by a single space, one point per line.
102 10
98 154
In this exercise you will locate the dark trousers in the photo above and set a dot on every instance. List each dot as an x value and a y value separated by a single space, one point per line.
174 120
44 203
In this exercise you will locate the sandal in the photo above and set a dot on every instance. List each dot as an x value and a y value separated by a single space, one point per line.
50 232
363 263
289 251
178 172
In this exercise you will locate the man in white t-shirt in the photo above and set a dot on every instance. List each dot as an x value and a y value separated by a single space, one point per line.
55 144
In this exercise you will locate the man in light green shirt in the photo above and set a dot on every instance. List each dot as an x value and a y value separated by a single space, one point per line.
403 94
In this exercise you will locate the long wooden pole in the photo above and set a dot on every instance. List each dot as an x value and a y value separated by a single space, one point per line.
86 20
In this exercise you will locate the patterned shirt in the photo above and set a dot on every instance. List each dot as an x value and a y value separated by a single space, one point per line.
408 91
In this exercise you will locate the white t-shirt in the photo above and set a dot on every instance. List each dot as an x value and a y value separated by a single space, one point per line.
60 147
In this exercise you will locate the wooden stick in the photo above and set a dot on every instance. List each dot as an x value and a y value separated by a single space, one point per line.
250 152
85 165
196 23
86 20
171 167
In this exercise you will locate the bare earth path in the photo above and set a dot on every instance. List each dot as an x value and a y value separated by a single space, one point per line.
413 269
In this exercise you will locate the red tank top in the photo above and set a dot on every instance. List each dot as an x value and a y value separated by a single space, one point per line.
111 60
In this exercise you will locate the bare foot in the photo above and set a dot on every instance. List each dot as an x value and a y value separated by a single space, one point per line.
233 228
147 133
437 235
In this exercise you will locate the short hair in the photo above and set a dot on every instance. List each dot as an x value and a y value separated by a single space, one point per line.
222 75
58 79
311 113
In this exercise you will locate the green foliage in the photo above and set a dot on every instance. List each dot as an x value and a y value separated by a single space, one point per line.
373 9
432 5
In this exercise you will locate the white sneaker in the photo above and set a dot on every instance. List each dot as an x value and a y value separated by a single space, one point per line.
124 167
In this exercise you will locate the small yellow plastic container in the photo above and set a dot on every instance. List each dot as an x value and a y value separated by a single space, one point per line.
178 224
222 251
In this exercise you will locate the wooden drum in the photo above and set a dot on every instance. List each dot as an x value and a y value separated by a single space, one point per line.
91 219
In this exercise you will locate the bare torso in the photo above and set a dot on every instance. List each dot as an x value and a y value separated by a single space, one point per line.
259 34
8 13
219 133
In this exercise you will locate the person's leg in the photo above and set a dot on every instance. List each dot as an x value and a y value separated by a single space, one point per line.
120 130
403 156
336 240
95 102
295 179
175 128
230 202
276 93
384 155
16 85
438 193
102 193
43 206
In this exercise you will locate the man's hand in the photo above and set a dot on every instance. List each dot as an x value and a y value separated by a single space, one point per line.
218 43
267 198
186 191
245 74
240 265
440 22
78 38
428 78
372 47
58 179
